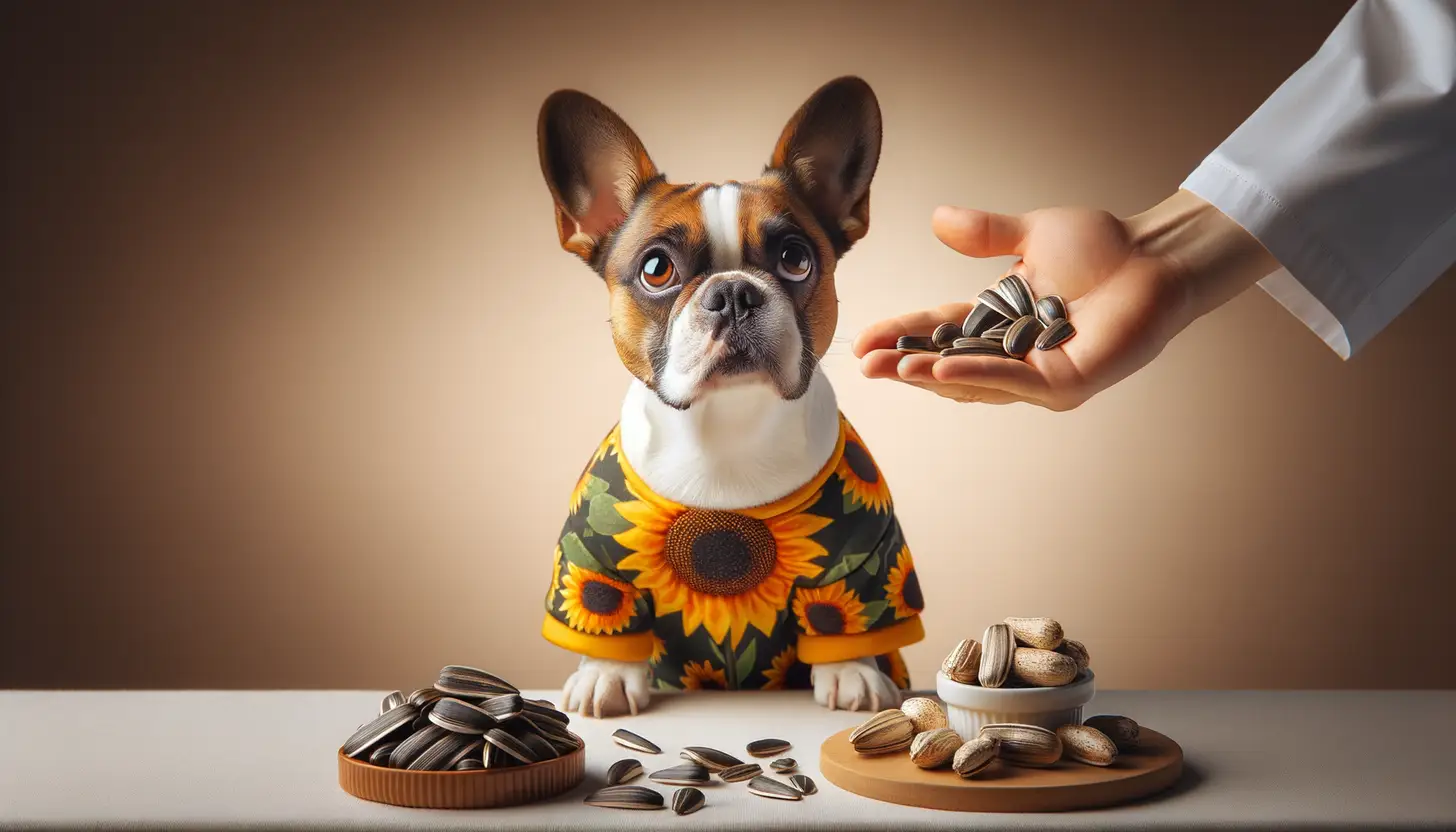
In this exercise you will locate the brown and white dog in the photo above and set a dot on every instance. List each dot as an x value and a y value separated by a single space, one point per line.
722 302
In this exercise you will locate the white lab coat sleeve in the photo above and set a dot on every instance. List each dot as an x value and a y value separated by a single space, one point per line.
1347 173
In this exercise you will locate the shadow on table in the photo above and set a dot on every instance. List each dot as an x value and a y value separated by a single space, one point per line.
1191 778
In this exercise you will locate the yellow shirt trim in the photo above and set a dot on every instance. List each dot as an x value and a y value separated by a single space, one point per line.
628 647
824 649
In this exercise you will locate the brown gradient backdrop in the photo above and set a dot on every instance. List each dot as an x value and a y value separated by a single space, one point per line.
297 379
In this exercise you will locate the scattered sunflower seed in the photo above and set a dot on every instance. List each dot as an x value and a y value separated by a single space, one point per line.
378 729
741 772
625 797
768 747
710 758
623 771
627 739
783 765
688 800
804 783
769 787
687 774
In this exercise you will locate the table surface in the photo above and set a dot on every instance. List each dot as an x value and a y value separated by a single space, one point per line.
266 759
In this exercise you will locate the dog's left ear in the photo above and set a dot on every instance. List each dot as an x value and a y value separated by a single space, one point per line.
829 151
594 165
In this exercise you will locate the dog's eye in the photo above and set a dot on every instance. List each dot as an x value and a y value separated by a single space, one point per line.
657 271
795 261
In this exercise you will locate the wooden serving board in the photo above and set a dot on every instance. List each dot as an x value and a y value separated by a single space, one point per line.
1005 788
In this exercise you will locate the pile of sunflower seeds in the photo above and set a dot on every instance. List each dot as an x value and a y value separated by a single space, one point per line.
1007 321
468 720
699 766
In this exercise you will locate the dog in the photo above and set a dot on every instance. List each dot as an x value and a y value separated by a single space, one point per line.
732 530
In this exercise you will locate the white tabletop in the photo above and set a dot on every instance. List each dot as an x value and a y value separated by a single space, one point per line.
240 759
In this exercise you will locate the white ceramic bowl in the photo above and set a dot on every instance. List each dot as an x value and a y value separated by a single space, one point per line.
968 707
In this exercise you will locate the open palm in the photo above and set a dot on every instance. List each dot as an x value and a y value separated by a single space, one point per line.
1125 303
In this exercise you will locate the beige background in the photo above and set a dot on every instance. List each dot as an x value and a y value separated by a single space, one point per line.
297 380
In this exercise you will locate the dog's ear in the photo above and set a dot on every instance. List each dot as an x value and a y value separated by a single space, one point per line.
829 151
594 165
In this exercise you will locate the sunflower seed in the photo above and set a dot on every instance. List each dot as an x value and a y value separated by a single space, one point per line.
1043 668
688 800
625 797
1017 292
376 730
687 774
414 745
1086 744
424 695
980 319
997 648
1051 309
623 771
915 343
963 663
1078 651
1021 336
421 722
997 302
469 764
392 701
539 709
925 712
769 787
996 333
1025 745
461 671
1056 332
540 746
493 757
975 755
741 772
944 334
627 739
380 755
510 745
975 346
442 753
460 716
768 747
804 783
710 758
784 765
933 749
888 731
503 707
1043 633
1123 732
471 751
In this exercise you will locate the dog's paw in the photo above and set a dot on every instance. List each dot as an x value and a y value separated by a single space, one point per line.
602 687
853 686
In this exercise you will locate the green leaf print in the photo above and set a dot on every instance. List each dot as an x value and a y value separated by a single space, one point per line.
663 684
595 485
851 505
872 566
575 551
872 612
602 515
718 652
746 661
846 565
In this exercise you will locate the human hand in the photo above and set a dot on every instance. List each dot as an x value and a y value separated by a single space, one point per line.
1129 285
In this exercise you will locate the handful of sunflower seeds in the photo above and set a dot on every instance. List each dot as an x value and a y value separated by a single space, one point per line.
468 720
1007 321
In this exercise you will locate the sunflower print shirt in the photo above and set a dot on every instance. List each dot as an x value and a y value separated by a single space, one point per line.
744 599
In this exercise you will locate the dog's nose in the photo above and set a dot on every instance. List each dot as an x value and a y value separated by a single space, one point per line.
732 299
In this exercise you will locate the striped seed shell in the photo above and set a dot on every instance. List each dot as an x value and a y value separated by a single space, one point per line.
925 713
741 772
627 739
540 746
624 771
392 701
625 797
1021 336
379 729
769 787
1078 652
469 764
468 752
710 758
442 753
975 346
784 765
933 749
887 731
503 707
460 716
510 745
980 319
1123 731
996 333
997 647
1086 744
1043 668
1051 308
687 774
1056 332
688 800
964 662
424 695
768 747
1025 745
414 745
466 672
380 755
1017 292
975 755
915 343
1044 633
804 783
944 334
998 302
456 680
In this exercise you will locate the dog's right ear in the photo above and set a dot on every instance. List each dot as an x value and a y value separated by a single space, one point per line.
594 165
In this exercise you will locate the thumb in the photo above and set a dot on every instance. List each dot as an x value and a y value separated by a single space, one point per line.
978 233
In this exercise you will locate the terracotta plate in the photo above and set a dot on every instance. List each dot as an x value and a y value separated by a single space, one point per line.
483 789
